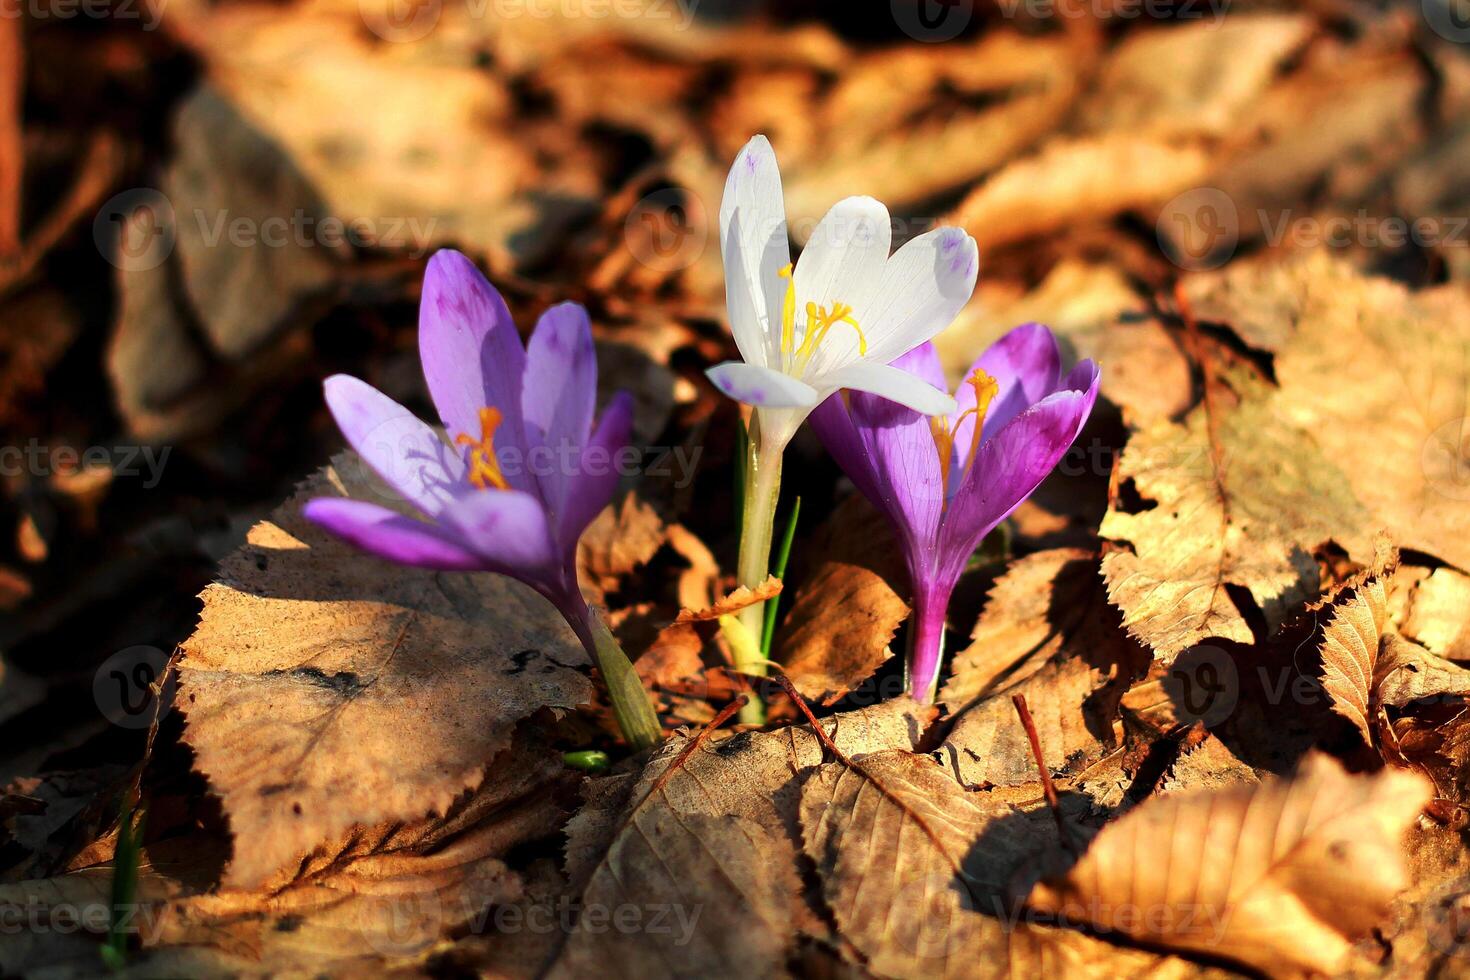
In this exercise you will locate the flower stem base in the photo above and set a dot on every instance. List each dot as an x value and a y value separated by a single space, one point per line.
762 491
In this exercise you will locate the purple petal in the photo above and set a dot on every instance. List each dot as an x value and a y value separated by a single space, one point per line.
405 452
561 376
1009 466
597 479
1025 364
471 353
507 529
389 535
558 397
904 459
923 362
832 422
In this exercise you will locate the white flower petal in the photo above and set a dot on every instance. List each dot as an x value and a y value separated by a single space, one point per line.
843 262
760 248
747 323
889 382
924 286
761 386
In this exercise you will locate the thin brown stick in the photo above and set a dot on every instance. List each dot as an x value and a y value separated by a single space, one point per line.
12 147
726 713
817 728
1048 789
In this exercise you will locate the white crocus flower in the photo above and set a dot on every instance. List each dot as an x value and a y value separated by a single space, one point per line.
842 313
834 320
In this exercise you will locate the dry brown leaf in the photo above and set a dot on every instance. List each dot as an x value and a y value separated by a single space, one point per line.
1094 312
845 606
1191 79
1217 517
1401 385
1439 614
389 894
1281 876
326 688
929 156
686 667
1047 632
622 538
1073 180
916 872
727 808
1350 640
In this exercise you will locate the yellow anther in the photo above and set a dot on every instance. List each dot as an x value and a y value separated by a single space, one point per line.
986 388
819 321
788 311
484 466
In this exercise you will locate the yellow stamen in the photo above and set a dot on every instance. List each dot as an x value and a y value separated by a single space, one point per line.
788 311
986 388
484 466
819 321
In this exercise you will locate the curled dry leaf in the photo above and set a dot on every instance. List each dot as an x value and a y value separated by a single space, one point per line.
1439 614
623 538
686 666
379 895
1047 632
916 873
1350 641
1216 518
1401 385
710 829
324 688
1282 876
846 604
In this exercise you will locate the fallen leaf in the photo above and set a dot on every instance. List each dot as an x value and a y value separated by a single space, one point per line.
1215 520
846 604
1049 633
728 808
1439 614
1078 179
325 688
1280 877
1350 640
1395 389
916 872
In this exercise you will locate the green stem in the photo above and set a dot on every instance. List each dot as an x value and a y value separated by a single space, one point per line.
762 489
778 569
630 704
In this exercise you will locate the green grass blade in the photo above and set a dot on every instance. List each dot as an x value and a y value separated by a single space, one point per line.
778 569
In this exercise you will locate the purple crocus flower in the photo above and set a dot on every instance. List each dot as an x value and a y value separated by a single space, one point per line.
524 472
946 481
